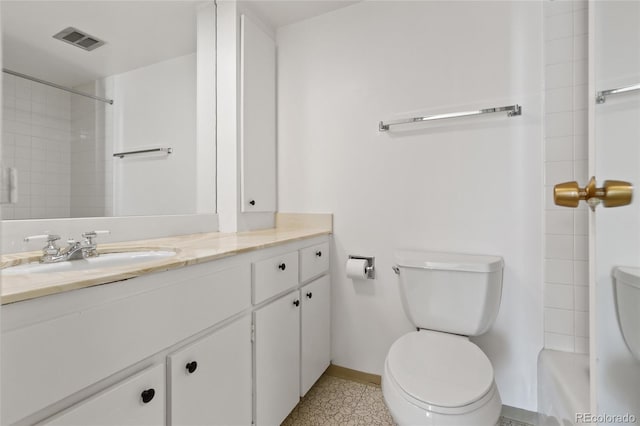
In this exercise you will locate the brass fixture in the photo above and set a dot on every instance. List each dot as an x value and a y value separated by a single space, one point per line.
614 193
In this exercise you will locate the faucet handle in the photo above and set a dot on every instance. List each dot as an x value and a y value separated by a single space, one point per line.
50 238
90 235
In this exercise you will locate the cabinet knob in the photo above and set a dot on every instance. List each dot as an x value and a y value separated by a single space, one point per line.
296 302
252 202
282 266
147 395
319 253
309 295
191 366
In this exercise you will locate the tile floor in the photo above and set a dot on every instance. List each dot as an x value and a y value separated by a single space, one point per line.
336 401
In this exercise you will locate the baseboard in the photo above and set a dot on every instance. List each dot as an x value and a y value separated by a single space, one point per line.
354 375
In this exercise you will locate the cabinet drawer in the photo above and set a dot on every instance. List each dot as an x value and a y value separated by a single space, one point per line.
138 400
314 261
274 275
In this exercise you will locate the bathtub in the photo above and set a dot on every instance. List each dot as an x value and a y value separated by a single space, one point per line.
563 387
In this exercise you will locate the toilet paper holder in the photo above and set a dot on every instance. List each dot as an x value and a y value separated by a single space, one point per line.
370 269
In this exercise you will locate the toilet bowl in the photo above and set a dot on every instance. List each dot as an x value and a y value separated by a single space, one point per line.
435 376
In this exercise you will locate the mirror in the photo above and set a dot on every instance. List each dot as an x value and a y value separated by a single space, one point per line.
63 144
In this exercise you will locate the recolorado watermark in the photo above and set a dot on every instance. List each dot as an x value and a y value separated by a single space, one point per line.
605 418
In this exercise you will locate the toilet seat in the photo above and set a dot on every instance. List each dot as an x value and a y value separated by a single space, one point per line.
440 372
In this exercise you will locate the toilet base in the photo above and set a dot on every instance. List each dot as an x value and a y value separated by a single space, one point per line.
406 413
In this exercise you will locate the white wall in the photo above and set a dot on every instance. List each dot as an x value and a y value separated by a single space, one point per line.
155 106
566 290
468 185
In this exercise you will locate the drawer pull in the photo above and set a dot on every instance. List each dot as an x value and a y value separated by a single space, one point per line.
309 295
319 253
191 366
147 395
282 266
296 302
252 202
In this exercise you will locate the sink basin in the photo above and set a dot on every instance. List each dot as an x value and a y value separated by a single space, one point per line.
628 304
102 261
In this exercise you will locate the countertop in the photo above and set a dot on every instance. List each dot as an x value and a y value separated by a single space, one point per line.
190 250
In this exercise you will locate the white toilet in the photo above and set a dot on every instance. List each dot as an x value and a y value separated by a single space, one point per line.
436 376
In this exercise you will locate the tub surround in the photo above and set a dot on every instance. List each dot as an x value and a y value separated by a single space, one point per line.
190 250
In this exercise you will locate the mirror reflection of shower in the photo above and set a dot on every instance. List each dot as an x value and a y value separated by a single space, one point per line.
83 80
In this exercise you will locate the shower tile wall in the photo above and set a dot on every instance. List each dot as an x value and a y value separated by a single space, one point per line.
566 292
36 140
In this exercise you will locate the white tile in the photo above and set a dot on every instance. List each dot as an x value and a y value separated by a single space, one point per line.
559 222
558 296
580 4
557 7
581 272
580 72
23 89
560 321
581 323
580 47
580 147
8 85
558 171
581 298
559 75
580 22
580 122
559 342
559 124
558 271
559 149
581 172
559 247
581 247
559 100
558 26
580 95
580 222
560 50
582 345
38 92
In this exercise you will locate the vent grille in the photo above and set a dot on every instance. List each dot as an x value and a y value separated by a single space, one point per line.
79 38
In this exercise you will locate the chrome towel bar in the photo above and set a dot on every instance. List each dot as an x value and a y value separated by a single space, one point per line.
511 110
601 97
142 151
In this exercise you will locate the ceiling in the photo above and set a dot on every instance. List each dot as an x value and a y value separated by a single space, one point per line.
278 13
137 33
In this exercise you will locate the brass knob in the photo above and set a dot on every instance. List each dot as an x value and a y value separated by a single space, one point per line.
614 193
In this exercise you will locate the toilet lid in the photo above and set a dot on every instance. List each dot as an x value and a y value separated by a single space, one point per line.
440 369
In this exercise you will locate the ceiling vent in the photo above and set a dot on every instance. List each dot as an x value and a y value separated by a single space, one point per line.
79 38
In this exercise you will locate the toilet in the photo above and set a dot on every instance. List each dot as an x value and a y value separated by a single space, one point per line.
435 375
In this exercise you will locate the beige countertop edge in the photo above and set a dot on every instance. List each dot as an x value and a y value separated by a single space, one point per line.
18 288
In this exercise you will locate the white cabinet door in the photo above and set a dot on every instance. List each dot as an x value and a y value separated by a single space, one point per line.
138 400
277 347
258 118
316 331
210 380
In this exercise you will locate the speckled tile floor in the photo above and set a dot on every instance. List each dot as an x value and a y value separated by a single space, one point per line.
334 401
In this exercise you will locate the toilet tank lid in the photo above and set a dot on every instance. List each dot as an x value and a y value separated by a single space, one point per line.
448 261
628 274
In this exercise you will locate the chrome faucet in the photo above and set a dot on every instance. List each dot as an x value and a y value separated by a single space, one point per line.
51 253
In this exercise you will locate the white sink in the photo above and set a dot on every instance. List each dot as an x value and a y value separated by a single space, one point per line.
102 261
628 305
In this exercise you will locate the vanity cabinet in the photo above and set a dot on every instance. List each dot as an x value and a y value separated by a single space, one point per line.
315 333
210 380
277 355
292 333
257 118
139 400
231 341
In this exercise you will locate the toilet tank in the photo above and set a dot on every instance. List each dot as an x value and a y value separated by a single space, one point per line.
450 292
